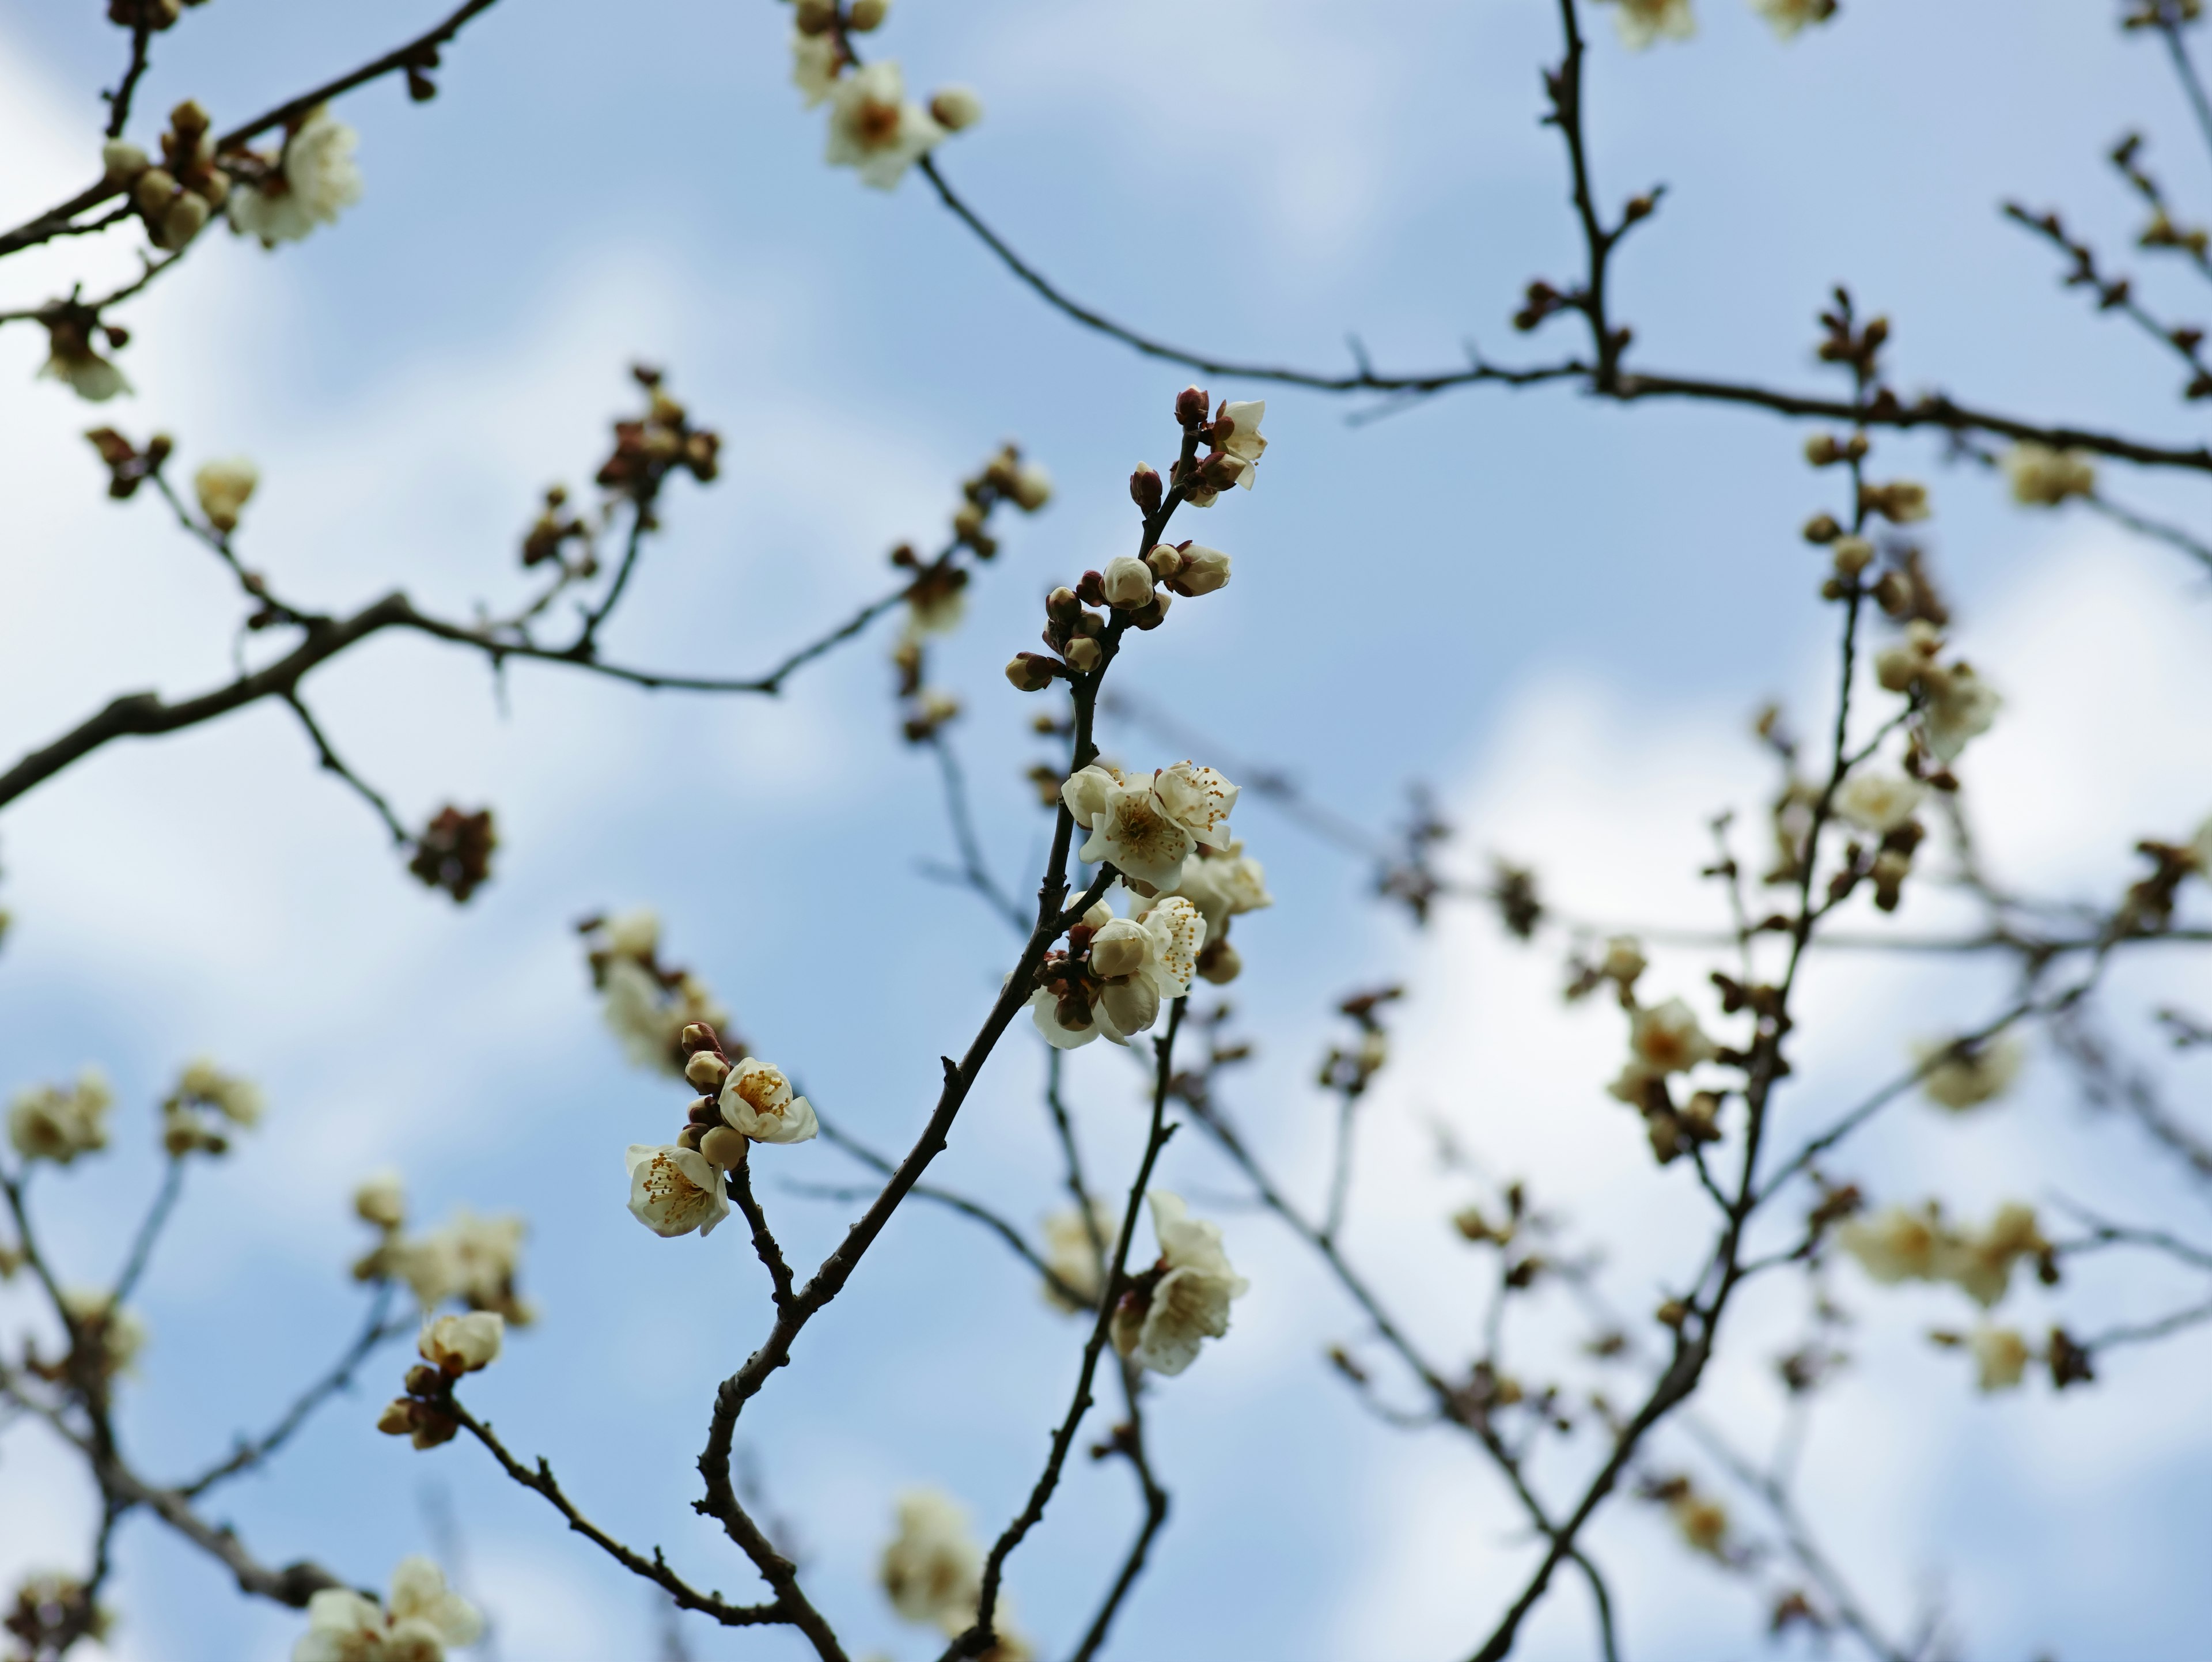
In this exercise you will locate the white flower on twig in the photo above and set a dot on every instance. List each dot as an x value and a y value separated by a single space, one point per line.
1879 802
1162 1320
51 1122
873 127
1968 1077
932 1569
417 1623
312 180
757 1100
1643 21
674 1190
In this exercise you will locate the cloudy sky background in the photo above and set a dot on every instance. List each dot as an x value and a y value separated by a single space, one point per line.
1559 615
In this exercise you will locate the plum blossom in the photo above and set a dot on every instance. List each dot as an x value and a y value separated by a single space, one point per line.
1662 1039
470 1259
1071 1255
223 488
2043 478
71 360
109 1336
1162 1320
817 60
421 1619
1147 825
875 129
462 1344
238 1101
1643 21
1957 704
1134 965
381 1199
1879 802
674 1190
1980 1264
1223 883
1894 1246
932 1569
313 180
756 1100
49 1122
1972 1076
645 1007
954 108
2001 1357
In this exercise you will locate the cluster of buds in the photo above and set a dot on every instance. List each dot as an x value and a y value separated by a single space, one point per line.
475 1260
175 197
679 1187
152 16
1700 1520
128 466
1234 447
450 1347
60 1122
2162 232
648 1005
453 852
645 451
552 531
1006 477
875 129
1115 972
72 357
1884 805
2148 907
195 1115
52 1611
2002 1355
1899 1244
1663 1040
1954 705
105 1338
1540 301
1517 1229
1348 1070
1845 341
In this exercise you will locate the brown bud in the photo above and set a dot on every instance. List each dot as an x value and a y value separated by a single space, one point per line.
424 1381
398 1418
688 1137
1191 406
703 1111
1220 963
1822 528
1672 1313
1091 589
697 1036
1031 671
1145 490
1061 605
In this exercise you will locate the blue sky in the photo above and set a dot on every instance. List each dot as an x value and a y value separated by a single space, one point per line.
1557 613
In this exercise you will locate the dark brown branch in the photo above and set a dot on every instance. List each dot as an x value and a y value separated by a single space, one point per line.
332 762
740 1183
655 1569
118 102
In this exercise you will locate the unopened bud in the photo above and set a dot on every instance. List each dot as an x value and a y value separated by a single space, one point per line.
1128 583
1030 671
156 189
1152 616
1822 528
1165 560
723 1147
1853 555
1084 654
697 1036
704 1112
956 107
1091 589
707 1070
815 16
1191 406
1220 963
1204 570
398 1418
190 118
1145 490
1672 1313
424 1380
865 14
688 1137
968 522
182 222
123 162
1821 450
1061 605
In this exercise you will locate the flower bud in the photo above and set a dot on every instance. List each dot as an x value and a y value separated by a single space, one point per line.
1032 485
688 1137
1821 450
704 1112
1132 1005
1191 406
707 1070
1221 963
423 1379
1204 570
123 162
865 14
1030 671
723 1147
1118 949
1085 655
1091 589
1165 560
1152 616
956 107
190 118
1145 490
815 16
1852 555
156 189
697 1036
968 522
1128 583
1062 605
182 222
1822 528
398 1418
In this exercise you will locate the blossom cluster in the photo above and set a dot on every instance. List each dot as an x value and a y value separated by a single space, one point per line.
1900 1245
471 1259
450 1346
646 1005
675 1187
420 1620
207 1100
932 1570
1167 1312
1664 1039
59 1122
875 129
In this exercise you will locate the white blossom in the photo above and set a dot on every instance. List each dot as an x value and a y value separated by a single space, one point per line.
1138 963
470 1257
635 934
757 1100
1643 21
674 1190
1147 825
112 1336
223 488
1894 1246
1960 706
462 1344
875 129
238 1101
2043 478
1980 1264
1663 1039
1162 1328
1974 1077
49 1122
1223 883
381 1199
1071 1255
313 180
932 1569
1128 583
1879 802
2001 1357
816 62
71 360
421 1619
648 1016
1237 432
